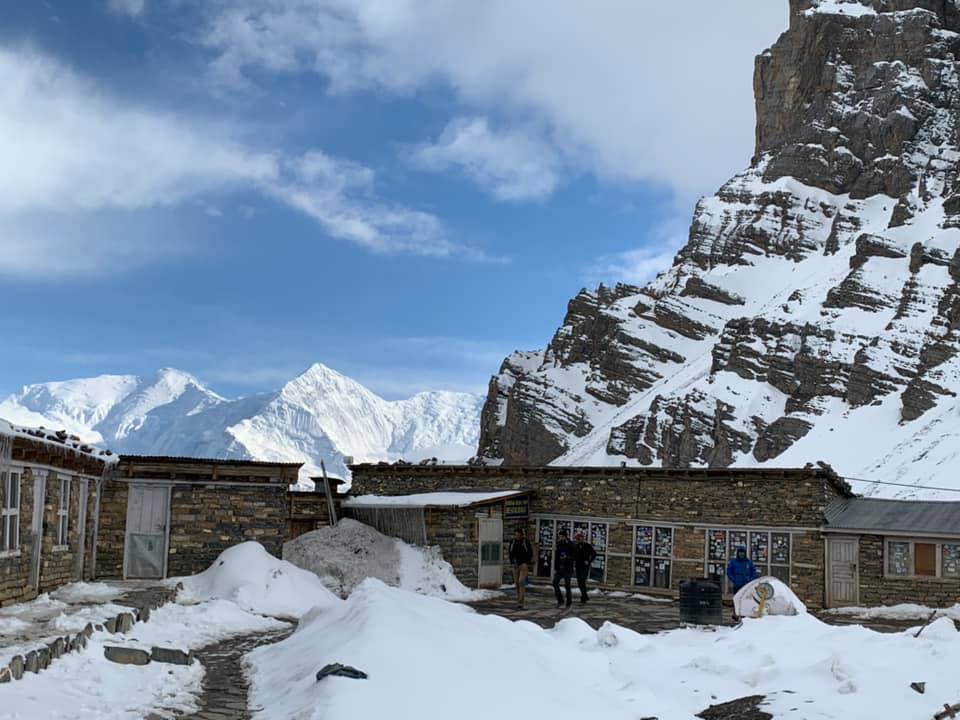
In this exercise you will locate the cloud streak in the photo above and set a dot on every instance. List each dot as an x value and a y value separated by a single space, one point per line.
71 150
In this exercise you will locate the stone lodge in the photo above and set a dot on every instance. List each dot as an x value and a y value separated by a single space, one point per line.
654 528
168 516
50 486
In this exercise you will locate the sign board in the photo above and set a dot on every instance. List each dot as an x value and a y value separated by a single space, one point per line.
517 507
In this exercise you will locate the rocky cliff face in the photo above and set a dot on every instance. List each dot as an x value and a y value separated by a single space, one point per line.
813 313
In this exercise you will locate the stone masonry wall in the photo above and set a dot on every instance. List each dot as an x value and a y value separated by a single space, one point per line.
57 561
207 519
15 568
687 503
875 589
113 523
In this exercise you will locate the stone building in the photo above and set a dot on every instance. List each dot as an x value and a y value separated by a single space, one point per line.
308 511
468 526
168 516
883 552
49 493
654 528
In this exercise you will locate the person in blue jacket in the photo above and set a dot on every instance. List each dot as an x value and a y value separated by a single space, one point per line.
741 570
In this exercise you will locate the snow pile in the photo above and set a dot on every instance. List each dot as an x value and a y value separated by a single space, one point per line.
904 611
346 555
851 8
782 601
434 660
249 576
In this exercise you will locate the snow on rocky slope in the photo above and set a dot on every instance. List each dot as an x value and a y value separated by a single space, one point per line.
814 312
320 415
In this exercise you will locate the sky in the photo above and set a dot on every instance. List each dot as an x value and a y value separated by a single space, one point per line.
404 190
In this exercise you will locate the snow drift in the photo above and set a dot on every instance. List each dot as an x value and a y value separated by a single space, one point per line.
434 660
247 575
346 555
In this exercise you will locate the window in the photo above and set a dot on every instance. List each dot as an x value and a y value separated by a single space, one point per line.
548 531
770 552
652 556
9 511
63 513
922 559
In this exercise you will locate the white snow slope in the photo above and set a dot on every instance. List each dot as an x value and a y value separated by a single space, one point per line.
320 415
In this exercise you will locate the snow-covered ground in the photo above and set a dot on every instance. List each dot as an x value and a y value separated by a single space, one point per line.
345 555
430 659
904 611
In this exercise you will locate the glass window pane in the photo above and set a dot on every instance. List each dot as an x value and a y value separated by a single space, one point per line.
598 568
642 572
3 533
716 571
898 559
581 527
14 490
545 534
598 536
925 559
663 544
951 560
563 525
644 540
737 540
780 548
661 574
760 547
544 564
717 545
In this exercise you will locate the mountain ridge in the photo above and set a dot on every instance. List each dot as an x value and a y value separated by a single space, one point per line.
814 313
319 415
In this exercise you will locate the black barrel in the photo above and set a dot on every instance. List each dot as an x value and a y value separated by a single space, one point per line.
701 602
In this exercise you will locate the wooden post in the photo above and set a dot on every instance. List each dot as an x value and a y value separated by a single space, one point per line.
331 510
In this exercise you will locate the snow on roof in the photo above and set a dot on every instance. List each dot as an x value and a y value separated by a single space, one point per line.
432 499
59 439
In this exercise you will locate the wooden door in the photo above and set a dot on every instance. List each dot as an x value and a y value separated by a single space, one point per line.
843 581
146 542
491 552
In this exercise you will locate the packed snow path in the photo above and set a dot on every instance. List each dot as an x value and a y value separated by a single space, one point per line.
225 685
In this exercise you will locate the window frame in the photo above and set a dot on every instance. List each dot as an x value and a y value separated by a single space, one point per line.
570 521
938 543
63 515
10 513
763 568
653 557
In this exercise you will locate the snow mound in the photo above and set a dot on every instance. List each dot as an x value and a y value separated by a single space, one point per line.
784 600
904 611
249 576
347 554
410 645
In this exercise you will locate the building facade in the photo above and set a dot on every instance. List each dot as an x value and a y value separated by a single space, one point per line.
652 528
49 493
167 516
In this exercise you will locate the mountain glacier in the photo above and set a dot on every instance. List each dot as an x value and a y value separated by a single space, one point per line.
814 313
320 415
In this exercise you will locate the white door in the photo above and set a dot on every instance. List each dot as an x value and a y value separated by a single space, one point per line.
491 552
146 545
843 571
39 500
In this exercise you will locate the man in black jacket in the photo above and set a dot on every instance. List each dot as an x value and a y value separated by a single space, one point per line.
521 556
583 556
563 567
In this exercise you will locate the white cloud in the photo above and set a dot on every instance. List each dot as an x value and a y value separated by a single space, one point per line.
133 8
511 165
632 91
70 150
639 266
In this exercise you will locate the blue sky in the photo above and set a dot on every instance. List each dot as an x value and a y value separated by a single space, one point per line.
406 191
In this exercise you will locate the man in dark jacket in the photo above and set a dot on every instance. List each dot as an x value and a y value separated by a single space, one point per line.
563 567
741 570
583 556
521 556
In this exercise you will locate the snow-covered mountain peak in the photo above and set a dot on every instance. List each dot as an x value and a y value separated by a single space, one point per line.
319 415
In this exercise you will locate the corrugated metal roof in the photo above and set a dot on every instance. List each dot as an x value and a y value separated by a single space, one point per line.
894 516
205 461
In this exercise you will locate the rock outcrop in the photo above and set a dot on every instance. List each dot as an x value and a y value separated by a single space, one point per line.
815 307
